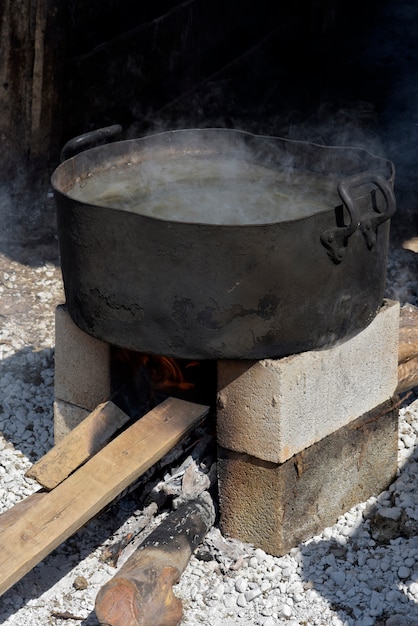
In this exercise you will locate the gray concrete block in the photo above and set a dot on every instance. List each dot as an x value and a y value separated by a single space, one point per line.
277 506
66 417
82 364
274 408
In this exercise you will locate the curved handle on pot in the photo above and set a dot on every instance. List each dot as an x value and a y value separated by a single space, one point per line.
89 140
372 219
336 239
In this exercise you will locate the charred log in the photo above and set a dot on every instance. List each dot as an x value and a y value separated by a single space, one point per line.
141 593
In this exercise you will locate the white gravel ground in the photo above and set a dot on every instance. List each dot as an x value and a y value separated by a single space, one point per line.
360 572
363 571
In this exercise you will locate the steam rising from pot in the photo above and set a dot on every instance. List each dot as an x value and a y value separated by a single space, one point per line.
200 184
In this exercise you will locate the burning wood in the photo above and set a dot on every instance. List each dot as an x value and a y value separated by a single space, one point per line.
165 372
146 380
141 593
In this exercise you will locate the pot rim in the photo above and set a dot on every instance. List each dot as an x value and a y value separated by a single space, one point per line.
112 148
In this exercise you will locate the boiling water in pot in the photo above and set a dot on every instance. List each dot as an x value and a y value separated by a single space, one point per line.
205 189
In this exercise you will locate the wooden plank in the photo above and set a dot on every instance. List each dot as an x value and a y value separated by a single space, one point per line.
24 506
89 489
407 375
30 66
408 333
85 440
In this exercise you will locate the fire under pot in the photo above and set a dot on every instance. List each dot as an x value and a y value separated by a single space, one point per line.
301 439
266 257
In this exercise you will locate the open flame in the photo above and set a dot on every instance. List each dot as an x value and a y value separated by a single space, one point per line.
165 373
142 381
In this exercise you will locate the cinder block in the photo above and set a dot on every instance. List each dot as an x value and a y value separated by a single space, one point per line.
66 417
272 409
277 506
82 364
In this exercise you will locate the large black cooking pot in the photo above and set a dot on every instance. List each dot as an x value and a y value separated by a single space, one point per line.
222 244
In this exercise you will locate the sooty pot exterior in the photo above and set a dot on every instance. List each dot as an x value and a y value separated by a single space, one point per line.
209 291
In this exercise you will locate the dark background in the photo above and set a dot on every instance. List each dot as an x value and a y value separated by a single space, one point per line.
256 64
334 72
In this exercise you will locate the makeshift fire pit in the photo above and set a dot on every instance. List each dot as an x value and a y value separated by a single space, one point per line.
306 414
267 258
219 244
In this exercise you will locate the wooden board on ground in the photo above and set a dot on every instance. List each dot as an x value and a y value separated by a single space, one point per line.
90 436
24 506
408 333
407 375
408 348
61 512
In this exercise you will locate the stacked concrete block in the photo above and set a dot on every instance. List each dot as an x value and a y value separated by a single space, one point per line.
82 373
301 439
276 506
287 429
274 408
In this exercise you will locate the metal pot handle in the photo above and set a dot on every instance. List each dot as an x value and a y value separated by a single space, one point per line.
89 140
336 239
372 219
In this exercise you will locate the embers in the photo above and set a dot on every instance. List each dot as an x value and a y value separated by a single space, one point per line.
141 381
